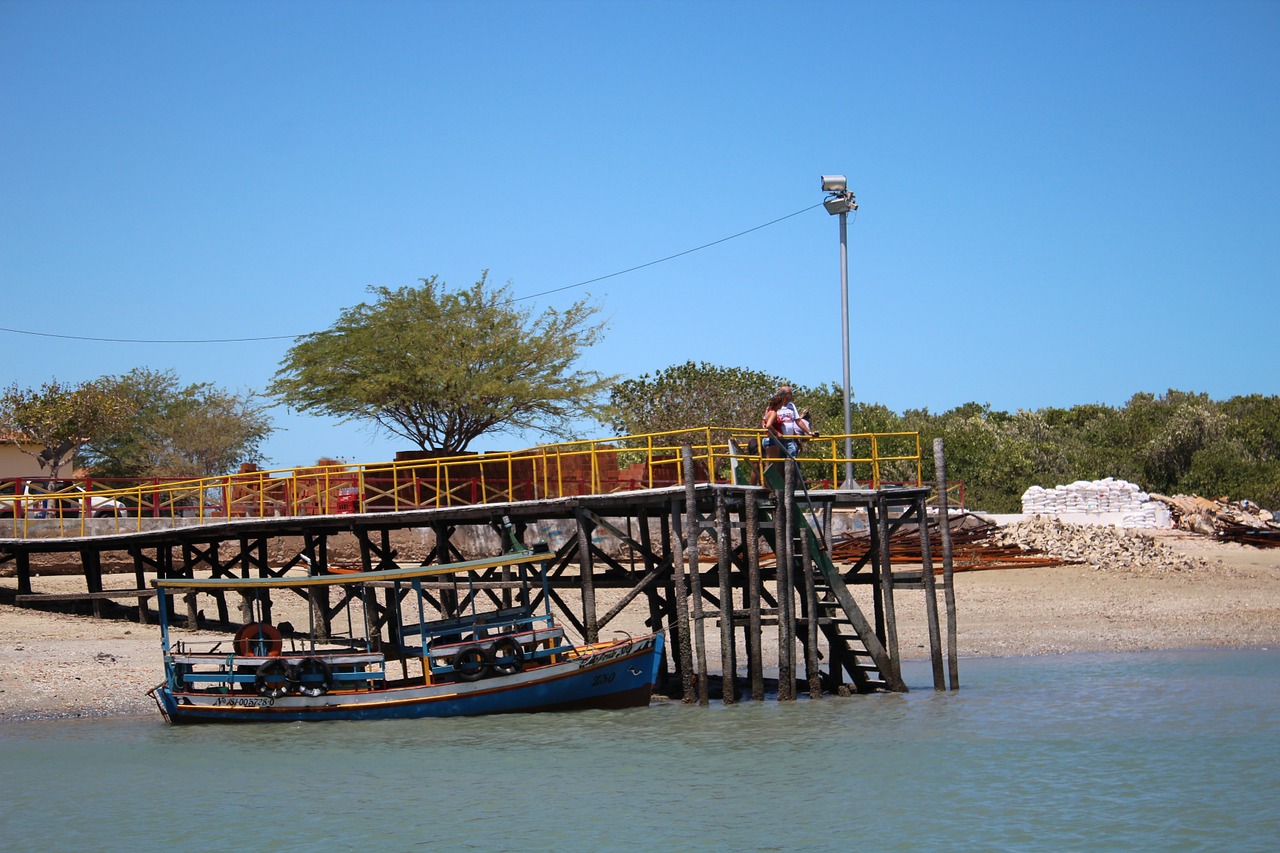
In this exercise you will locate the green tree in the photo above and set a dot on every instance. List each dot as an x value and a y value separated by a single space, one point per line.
690 395
1244 462
826 406
441 368
60 419
1164 434
1095 441
197 430
992 452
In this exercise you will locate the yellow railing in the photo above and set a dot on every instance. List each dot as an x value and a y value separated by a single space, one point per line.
597 466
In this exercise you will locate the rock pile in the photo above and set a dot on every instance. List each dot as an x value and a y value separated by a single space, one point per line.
1097 497
1102 547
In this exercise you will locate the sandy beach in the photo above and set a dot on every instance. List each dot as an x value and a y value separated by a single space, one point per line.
59 666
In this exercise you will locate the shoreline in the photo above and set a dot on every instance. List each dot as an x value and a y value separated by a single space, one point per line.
57 667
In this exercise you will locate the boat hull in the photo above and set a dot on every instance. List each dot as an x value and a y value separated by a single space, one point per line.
621 675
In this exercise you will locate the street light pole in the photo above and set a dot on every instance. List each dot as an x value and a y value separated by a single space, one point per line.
844 339
840 201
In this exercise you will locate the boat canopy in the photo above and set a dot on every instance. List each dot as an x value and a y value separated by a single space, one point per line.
401 574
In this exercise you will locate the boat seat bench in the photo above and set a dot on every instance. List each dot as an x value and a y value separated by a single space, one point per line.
523 638
481 621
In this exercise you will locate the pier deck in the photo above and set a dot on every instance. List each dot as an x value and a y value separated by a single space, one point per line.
692 557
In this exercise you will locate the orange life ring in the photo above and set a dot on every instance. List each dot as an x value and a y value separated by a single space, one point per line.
258 640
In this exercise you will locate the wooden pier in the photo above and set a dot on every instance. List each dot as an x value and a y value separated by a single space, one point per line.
697 560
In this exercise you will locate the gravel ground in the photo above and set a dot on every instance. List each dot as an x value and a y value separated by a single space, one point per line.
57 666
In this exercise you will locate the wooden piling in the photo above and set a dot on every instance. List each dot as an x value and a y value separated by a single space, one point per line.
91 559
948 590
587 569
755 656
930 596
728 658
22 563
691 531
680 591
811 672
885 573
140 582
783 526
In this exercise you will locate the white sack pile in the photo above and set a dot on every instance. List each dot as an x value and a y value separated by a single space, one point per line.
1098 497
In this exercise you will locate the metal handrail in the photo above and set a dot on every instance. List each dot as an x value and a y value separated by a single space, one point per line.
595 466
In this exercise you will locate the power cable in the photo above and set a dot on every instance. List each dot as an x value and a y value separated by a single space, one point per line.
517 299
668 257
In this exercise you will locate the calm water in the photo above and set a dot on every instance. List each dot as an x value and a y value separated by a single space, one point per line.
1150 751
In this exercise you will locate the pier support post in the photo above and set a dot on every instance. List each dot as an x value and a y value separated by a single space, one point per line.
811 672
245 606
783 525
22 562
948 590
681 592
930 596
884 573
586 568
755 656
691 531
728 658
140 580
91 560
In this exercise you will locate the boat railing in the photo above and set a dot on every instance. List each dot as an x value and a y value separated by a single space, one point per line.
291 647
204 670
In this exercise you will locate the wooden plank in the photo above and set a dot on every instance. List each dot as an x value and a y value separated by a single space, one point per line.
88 596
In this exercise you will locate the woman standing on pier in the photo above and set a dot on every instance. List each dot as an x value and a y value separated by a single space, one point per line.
782 419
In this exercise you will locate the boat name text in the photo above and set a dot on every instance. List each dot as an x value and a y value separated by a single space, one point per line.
615 653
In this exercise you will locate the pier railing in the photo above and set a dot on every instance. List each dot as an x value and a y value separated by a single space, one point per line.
39 506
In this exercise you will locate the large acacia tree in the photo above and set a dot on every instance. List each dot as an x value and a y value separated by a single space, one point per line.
442 367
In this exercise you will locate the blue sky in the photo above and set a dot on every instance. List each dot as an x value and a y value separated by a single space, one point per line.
1061 202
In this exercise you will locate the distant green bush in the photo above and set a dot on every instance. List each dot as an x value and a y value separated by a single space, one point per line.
1177 443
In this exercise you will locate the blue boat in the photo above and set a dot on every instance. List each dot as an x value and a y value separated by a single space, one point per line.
509 659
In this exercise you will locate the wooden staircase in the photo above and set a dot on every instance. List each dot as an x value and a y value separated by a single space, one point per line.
855 648
848 653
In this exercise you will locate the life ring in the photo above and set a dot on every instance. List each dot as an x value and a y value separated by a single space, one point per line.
312 677
507 656
272 679
258 640
471 663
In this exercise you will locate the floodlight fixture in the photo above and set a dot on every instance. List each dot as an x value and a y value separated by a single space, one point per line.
841 203
839 199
